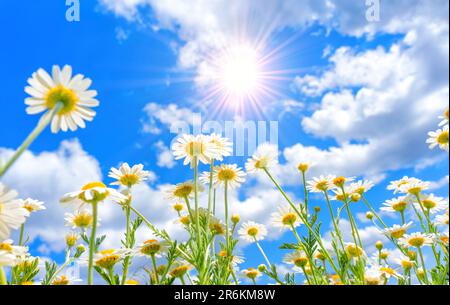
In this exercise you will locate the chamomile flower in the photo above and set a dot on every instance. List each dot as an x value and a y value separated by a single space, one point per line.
399 204
354 251
361 187
11 255
181 191
12 212
432 203
7 259
179 269
128 176
397 231
205 178
404 261
216 226
444 118
373 276
251 273
81 220
229 174
91 193
107 259
320 184
397 184
342 195
64 280
439 138
285 218
341 180
223 147
191 148
251 231
297 258
151 247
442 219
72 92
416 240
443 238
32 205
265 157
415 187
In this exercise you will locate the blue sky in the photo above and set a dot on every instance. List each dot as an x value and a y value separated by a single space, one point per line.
361 109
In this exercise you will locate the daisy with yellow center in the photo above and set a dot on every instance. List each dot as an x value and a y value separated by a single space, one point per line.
216 227
443 238
11 255
181 191
229 174
93 192
252 231
107 259
71 94
399 204
340 181
179 269
194 149
265 157
286 218
178 207
252 274
442 219
444 118
128 176
439 138
397 231
152 247
342 195
223 147
235 259
433 204
415 187
320 184
361 187
405 262
353 251
397 184
71 239
82 220
61 280
32 205
12 212
373 276
416 240
297 258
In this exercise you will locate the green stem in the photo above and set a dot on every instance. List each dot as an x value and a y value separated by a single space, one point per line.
210 193
305 191
126 262
42 124
227 236
374 212
3 280
155 269
197 214
423 265
305 221
269 265
92 244
22 230
336 227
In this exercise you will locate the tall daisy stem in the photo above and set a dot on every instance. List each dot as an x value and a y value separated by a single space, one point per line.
197 214
92 242
210 193
423 265
2 277
227 232
42 124
22 230
269 265
126 262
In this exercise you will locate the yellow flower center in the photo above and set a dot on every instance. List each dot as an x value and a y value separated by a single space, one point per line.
28 207
27 283
429 204
226 174
339 181
252 273
399 206
83 220
61 281
178 207
252 231
417 241
398 233
289 219
131 282
92 185
217 228
151 247
97 196
179 271
322 185
354 251
443 138
129 179
261 163
195 148
185 220
300 261
444 239
372 281
183 190
303 167
108 261
407 264
65 96
415 190
6 247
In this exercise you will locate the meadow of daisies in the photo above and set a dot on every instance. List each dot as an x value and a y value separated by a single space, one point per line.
208 257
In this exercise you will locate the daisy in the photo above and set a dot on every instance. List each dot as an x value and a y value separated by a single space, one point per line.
265 157
396 205
304 167
216 226
229 174
72 92
320 184
361 186
432 203
205 178
353 251
12 213
128 176
81 220
7 259
342 195
439 138
32 205
71 239
64 280
152 247
107 259
444 118
223 147
91 193
416 240
340 181
181 191
251 231
297 258
373 276
442 219
235 259
415 187
11 255
179 269
397 231
443 238
404 261
191 148
397 184
285 218
252 273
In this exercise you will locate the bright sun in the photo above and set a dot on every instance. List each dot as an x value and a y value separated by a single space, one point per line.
240 71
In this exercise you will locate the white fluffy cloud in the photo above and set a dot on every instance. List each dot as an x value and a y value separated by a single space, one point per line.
164 155
170 116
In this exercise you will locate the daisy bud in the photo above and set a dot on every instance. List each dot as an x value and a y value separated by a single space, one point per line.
235 218
412 255
178 207
420 273
379 245
71 239
339 181
384 254
355 197
317 209
369 215
303 167
262 268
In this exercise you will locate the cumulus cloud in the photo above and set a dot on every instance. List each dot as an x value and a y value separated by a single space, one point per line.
164 155
171 116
